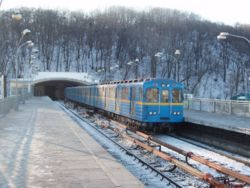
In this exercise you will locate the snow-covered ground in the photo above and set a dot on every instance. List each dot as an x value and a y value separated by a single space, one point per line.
206 153
80 77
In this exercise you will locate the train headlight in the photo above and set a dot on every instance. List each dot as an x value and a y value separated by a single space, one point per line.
178 113
150 113
154 113
174 113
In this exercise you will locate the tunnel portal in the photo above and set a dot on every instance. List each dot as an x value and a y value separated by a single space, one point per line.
54 89
52 84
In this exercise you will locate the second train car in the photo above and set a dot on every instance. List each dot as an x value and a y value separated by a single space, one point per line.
150 102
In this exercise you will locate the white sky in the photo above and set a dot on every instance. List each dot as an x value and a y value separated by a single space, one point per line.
226 11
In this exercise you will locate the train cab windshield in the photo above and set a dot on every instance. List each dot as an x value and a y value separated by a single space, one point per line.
152 95
177 96
165 95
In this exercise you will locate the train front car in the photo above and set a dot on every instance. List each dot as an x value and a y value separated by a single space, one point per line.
163 102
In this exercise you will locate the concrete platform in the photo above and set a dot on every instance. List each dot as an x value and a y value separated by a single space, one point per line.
227 122
40 146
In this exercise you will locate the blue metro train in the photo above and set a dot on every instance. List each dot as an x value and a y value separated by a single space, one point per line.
149 102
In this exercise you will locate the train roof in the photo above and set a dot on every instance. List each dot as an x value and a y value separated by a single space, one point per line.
135 81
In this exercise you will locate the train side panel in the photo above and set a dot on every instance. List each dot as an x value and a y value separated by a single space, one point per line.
150 101
110 98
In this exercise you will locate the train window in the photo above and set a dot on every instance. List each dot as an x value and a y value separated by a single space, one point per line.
85 92
118 93
112 94
109 92
95 91
101 92
165 96
140 94
124 94
133 92
152 95
176 96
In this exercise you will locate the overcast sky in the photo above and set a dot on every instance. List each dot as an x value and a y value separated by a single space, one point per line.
224 11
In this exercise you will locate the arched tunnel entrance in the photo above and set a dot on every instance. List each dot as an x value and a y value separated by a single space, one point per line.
53 89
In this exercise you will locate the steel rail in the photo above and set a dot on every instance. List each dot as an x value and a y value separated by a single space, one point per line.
211 149
197 158
204 176
201 160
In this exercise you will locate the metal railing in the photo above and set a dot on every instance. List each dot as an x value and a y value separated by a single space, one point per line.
229 107
11 102
6 104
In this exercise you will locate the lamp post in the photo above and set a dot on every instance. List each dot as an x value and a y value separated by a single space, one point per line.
112 71
177 54
19 46
99 72
135 63
114 67
18 17
226 35
158 55
33 69
25 87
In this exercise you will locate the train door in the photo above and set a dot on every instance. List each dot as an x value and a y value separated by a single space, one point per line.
166 103
176 105
152 100
106 90
132 101
117 99
87 95
91 96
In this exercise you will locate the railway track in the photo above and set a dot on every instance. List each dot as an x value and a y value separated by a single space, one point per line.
245 180
200 159
128 151
247 163
154 145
